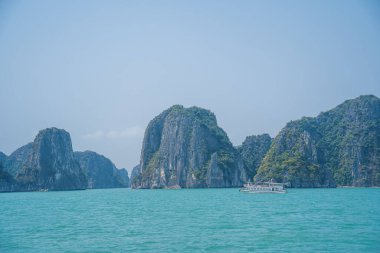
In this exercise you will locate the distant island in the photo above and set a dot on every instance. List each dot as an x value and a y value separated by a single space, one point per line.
49 163
185 148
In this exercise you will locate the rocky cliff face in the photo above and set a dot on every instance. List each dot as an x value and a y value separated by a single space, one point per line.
8 165
122 177
253 151
15 161
135 176
51 164
185 148
3 157
339 147
100 171
7 182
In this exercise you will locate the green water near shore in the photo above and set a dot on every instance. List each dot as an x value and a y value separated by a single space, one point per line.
198 220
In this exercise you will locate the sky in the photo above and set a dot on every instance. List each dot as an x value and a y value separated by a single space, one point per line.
103 69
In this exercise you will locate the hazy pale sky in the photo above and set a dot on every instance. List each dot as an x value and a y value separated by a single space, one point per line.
103 69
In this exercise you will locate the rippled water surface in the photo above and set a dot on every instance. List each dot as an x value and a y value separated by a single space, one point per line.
199 220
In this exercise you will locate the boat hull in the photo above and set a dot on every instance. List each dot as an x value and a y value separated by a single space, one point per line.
258 192
270 192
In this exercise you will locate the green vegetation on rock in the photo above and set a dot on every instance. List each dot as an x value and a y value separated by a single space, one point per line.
177 150
339 147
253 151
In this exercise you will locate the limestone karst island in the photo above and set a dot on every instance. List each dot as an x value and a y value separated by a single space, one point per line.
185 148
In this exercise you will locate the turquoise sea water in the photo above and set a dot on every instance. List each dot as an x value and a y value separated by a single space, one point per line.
199 220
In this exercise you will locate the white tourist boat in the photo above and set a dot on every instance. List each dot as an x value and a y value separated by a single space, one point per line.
266 187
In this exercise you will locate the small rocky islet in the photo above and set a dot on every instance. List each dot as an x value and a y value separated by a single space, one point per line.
185 148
